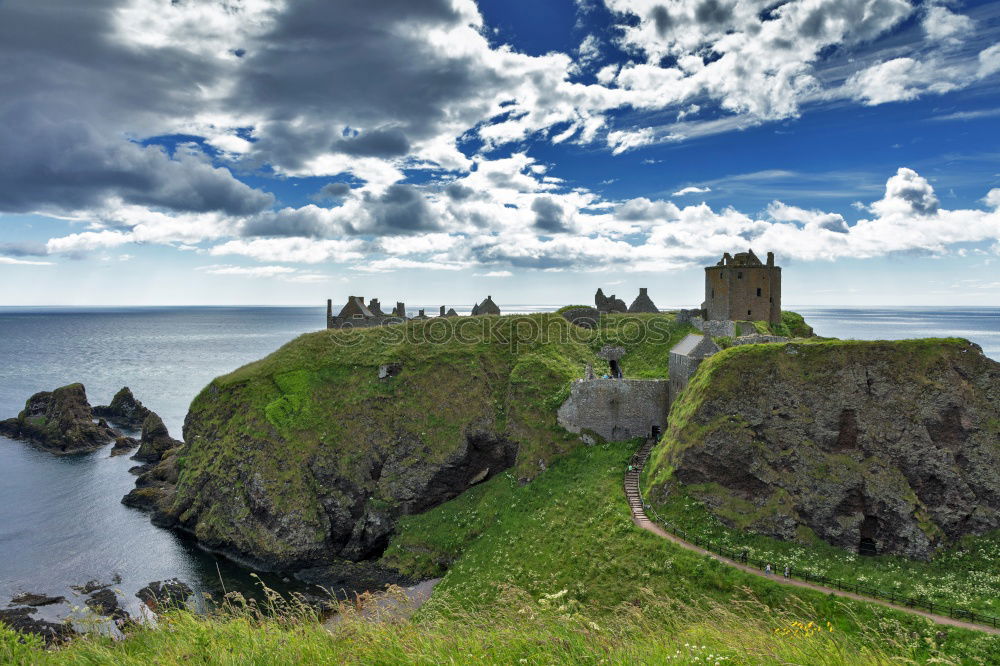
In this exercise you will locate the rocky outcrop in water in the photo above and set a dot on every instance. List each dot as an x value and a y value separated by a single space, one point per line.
125 410
160 595
154 489
104 602
59 421
155 440
20 619
885 447
123 445
36 600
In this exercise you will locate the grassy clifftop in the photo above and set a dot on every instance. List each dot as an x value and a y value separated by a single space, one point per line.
893 443
308 454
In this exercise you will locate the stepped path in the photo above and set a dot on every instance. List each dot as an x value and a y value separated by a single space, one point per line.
640 518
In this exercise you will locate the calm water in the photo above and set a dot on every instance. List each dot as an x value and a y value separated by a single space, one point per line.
61 520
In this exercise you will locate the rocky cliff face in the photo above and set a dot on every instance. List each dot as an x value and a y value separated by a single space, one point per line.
312 454
891 446
60 421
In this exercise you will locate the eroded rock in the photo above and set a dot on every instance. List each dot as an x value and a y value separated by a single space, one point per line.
160 595
888 447
125 410
59 421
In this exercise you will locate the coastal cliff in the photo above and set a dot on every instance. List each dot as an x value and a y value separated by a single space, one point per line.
314 452
889 447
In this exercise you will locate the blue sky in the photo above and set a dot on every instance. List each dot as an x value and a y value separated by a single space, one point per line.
435 151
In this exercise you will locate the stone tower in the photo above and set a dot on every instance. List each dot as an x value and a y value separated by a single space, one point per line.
741 288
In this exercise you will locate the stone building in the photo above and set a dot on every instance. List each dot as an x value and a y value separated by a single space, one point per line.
450 313
606 304
685 357
355 314
643 303
616 409
742 288
487 307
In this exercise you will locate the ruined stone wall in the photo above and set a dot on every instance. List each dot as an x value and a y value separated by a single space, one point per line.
681 369
716 328
366 322
616 409
757 339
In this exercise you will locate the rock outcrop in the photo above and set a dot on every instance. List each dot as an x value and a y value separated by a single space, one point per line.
30 599
20 619
307 458
59 421
155 440
161 595
125 410
887 447
105 602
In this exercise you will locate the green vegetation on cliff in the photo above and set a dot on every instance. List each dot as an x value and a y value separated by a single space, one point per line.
830 442
308 454
555 572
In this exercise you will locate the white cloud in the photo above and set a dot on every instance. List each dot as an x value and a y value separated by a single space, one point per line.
992 198
989 61
943 25
87 241
11 261
907 193
691 189
495 274
293 250
247 271
622 140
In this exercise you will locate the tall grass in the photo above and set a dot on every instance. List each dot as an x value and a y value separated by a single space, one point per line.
521 630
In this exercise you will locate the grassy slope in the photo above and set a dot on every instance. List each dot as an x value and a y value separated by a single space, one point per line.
554 572
319 395
967 574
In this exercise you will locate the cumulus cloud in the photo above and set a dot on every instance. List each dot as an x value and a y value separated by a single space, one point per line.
992 198
87 241
401 209
293 250
907 193
942 24
75 93
549 215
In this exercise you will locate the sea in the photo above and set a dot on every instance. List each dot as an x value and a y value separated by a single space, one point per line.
61 518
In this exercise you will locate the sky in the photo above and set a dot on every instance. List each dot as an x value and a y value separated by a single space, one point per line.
190 152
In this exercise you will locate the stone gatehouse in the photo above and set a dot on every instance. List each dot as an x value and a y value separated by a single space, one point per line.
616 409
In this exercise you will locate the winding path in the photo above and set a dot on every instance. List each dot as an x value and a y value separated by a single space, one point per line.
640 518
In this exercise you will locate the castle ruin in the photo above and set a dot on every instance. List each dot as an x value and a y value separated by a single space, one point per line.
742 288
355 314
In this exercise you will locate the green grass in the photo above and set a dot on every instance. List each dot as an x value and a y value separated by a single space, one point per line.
966 575
318 403
553 572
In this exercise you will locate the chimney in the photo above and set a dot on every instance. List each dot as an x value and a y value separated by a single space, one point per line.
420 313
442 310
329 308
770 259
400 309
642 291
